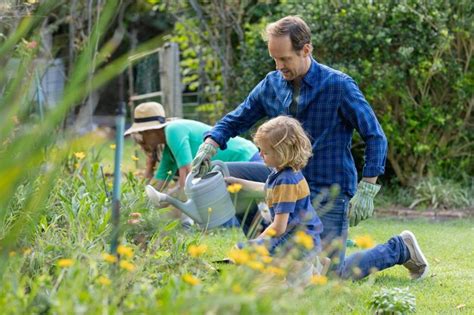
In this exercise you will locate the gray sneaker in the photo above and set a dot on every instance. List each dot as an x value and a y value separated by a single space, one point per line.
417 264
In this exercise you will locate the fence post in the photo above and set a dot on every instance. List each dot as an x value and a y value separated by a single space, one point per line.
170 80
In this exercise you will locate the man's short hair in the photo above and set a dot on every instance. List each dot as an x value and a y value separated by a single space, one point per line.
292 26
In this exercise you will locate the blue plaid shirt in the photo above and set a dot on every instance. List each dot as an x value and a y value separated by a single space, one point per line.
330 107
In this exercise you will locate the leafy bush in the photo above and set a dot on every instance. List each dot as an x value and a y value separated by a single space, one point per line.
393 301
441 193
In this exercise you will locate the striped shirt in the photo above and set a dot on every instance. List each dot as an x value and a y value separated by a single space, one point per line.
288 192
330 107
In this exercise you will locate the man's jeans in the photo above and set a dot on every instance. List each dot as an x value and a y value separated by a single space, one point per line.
335 226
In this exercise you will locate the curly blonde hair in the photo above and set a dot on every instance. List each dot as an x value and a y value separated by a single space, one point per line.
288 140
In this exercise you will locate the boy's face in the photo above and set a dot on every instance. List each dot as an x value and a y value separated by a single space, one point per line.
269 155
292 64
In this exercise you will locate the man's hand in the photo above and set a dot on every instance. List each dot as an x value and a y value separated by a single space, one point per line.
202 162
362 204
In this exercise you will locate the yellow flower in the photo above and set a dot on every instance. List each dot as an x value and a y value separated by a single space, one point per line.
169 173
270 232
79 155
267 259
12 253
112 146
209 210
135 158
239 256
104 280
127 265
262 250
275 270
256 265
364 241
190 279
26 251
304 239
319 280
125 251
109 258
234 188
236 288
65 262
197 250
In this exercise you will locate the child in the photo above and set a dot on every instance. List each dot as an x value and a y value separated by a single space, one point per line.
285 147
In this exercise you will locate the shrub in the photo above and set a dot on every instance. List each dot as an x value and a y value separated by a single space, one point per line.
393 301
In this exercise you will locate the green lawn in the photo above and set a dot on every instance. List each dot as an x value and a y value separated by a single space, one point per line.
447 245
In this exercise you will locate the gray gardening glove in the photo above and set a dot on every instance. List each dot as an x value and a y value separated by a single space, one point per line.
362 204
202 162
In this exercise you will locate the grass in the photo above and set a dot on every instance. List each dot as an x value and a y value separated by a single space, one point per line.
447 245
155 279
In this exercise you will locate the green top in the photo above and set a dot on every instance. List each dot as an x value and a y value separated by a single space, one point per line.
183 138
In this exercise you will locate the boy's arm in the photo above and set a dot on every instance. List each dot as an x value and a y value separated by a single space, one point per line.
278 226
257 189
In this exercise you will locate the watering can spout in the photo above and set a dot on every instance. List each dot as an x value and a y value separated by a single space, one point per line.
188 207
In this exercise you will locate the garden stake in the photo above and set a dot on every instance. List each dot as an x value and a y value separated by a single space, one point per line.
120 128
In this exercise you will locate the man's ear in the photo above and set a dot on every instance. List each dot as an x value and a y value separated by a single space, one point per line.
307 50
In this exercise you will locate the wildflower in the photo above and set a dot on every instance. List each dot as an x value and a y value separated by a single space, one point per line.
133 221
135 158
135 215
304 239
364 241
112 146
169 173
12 253
104 280
319 280
270 232
234 188
209 210
26 251
79 155
77 165
125 251
197 250
109 258
239 256
127 265
190 279
236 288
275 270
256 265
65 262
267 259
262 250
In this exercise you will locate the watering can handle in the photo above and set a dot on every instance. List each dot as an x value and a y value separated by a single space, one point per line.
220 166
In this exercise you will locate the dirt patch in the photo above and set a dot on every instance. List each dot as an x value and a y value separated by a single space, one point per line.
442 214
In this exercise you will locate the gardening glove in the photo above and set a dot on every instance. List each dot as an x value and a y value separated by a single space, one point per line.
202 162
362 204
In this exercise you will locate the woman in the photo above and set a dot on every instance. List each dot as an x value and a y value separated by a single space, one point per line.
179 140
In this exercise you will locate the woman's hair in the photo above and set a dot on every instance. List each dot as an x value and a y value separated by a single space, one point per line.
292 26
288 140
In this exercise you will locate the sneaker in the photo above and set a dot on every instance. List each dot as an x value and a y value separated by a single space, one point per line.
417 264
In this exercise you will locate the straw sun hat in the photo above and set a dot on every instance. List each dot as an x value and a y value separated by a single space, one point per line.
150 115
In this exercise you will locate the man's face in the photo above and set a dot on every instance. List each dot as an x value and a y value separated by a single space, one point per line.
290 63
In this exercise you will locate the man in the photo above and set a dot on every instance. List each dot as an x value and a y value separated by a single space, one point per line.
330 106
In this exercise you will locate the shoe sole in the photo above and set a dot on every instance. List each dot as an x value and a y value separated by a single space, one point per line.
418 252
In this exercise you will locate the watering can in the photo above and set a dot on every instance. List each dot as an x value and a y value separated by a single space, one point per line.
209 203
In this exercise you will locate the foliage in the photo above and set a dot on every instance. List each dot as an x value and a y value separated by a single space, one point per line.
413 62
393 301
441 193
